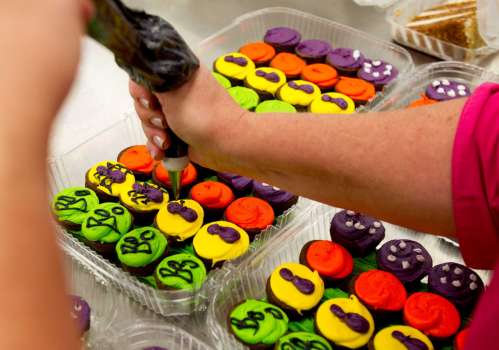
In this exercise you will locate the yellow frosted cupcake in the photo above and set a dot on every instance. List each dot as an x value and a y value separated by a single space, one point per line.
108 179
265 81
143 200
234 66
332 103
180 220
299 93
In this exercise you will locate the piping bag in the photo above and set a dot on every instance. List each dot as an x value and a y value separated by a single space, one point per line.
154 55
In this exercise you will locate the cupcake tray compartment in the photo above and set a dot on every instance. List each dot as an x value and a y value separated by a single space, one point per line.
248 281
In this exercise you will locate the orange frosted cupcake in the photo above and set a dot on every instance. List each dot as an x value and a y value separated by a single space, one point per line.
259 52
322 75
251 213
423 101
360 91
214 197
289 63
138 160
189 176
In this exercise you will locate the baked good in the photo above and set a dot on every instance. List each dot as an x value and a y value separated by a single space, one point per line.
444 90
280 200
108 179
234 66
360 91
104 225
290 64
180 272
245 97
329 259
460 339
332 103
323 75
214 197
180 220
422 101
345 60
313 50
275 106
140 250
257 324
70 206
187 178
143 200
358 233
378 72
219 241
295 288
457 283
250 213
259 52
222 80
282 38
302 340
80 312
154 348
137 159
380 291
265 81
345 322
406 259
241 185
400 338
299 93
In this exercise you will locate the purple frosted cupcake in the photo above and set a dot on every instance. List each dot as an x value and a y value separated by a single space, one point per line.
241 185
80 312
444 90
377 72
278 199
359 234
313 51
346 61
457 283
282 38
406 259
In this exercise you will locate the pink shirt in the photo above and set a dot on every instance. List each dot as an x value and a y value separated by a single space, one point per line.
475 188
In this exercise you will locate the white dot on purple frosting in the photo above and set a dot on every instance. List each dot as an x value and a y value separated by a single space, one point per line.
359 226
350 212
393 249
456 283
441 90
405 264
458 271
391 258
349 223
356 54
372 231
377 224
417 250
445 82
402 245
420 258
451 93
446 268
462 93
435 83
376 74
443 280
473 277
473 286
376 63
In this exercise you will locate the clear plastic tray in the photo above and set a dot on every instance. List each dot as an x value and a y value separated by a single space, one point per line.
252 27
402 13
248 281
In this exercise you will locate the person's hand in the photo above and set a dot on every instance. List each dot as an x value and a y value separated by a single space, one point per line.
201 113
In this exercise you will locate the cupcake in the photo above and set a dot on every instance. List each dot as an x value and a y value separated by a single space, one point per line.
279 200
360 91
282 38
220 241
444 90
377 72
154 348
345 322
180 220
329 259
359 234
259 52
222 80
299 93
400 338
245 97
332 103
313 51
104 225
70 206
250 213
302 340
180 272
460 339
240 185
432 314
234 66
80 313
322 75
295 288
275 106
214 197
422 101
138 160
143 200
257 324
265 81
140 250
288 63
406 259
346 61
457 283
108 179
187 178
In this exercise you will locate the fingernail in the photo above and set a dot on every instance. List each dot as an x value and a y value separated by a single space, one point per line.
157 122
159 141
144 102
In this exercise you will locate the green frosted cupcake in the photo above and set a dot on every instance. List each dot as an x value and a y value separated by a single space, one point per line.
245 97
275 106
222 80
71 206
180 271
306 340
141 249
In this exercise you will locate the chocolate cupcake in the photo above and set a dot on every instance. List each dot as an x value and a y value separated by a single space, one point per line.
180 220
144 200
346 61
377 72
245 97
302 340
360 91
260 53
234 66
400 338
275 106
241 185
359 234
329 259
108 179
279 200
282 38
265 81
80 313
332 103
299 93
180 272
406 259
323 75
214 197
457 283
138 160
250 213
289 63
70 206
188 178
444 90
313 51
226 84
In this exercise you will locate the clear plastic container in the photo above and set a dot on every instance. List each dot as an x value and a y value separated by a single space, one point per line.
249 280
252 27
404 11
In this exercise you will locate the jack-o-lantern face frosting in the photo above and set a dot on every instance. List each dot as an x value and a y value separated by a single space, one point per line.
180 271
72 204
110 178
302 341
141 247
106 223
80 312
401 338
144 196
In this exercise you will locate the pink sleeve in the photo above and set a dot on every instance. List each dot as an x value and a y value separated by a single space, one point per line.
475 178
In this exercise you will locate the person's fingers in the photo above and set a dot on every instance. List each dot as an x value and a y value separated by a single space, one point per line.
143 96
156 152
154 119
158 137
